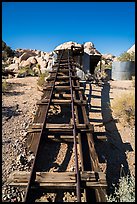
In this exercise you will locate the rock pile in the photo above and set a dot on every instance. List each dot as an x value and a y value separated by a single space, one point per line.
36 60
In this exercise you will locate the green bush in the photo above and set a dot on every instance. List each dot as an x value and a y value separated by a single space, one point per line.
125 192
41 79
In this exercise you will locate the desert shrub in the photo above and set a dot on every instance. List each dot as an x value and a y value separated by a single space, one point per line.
41 79
124 107
25 71
5 86
127 56
125 192
133 81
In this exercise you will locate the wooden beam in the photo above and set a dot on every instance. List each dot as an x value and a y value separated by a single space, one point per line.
60 102
59 179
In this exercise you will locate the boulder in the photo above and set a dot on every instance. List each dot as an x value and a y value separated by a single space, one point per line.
25 63
90 49
26 55
50 64
132 49
12 67
32 60
67 45
47 56
36 70
88 45
41 62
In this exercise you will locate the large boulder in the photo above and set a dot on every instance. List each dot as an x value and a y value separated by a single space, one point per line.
25 63
15 60
32 60
67 45
41 62
26 55
12 67
90 49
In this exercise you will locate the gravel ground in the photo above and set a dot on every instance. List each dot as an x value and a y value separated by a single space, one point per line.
18 109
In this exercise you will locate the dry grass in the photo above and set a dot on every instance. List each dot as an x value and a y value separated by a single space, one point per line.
125 192
124 107
5 86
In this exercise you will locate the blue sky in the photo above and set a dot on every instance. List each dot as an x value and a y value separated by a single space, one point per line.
45 25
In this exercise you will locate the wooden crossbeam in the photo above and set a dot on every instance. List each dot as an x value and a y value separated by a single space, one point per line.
89 179
61 102
62 78
63 88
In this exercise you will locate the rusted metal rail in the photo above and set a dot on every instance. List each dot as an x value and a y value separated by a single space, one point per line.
63 89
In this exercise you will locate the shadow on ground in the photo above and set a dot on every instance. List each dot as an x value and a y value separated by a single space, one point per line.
10 111
112 151
10 89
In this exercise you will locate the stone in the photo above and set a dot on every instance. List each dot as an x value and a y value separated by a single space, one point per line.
67 45
26 55
25 63
41 62
88 45
32 60
12 67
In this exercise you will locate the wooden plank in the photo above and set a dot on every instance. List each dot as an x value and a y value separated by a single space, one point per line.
62 78
63 88
59 179
60 126
61 102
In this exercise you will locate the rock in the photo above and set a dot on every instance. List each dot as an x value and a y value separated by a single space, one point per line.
47 56
88 45
41 62
21 159
25 63
80 74
90 49
32 60
26 55
50 64
16 60
132 49
12 67
67 45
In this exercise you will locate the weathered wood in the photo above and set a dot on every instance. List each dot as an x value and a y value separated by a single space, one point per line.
61 102
62 78
59 179
63 88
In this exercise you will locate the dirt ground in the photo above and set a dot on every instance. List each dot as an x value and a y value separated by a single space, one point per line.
116 151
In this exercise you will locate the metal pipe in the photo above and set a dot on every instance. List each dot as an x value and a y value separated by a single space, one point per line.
74 135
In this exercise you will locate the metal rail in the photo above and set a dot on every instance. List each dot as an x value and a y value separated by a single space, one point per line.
32 178
74 133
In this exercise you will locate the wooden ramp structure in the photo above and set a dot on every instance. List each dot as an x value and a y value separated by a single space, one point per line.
63 90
